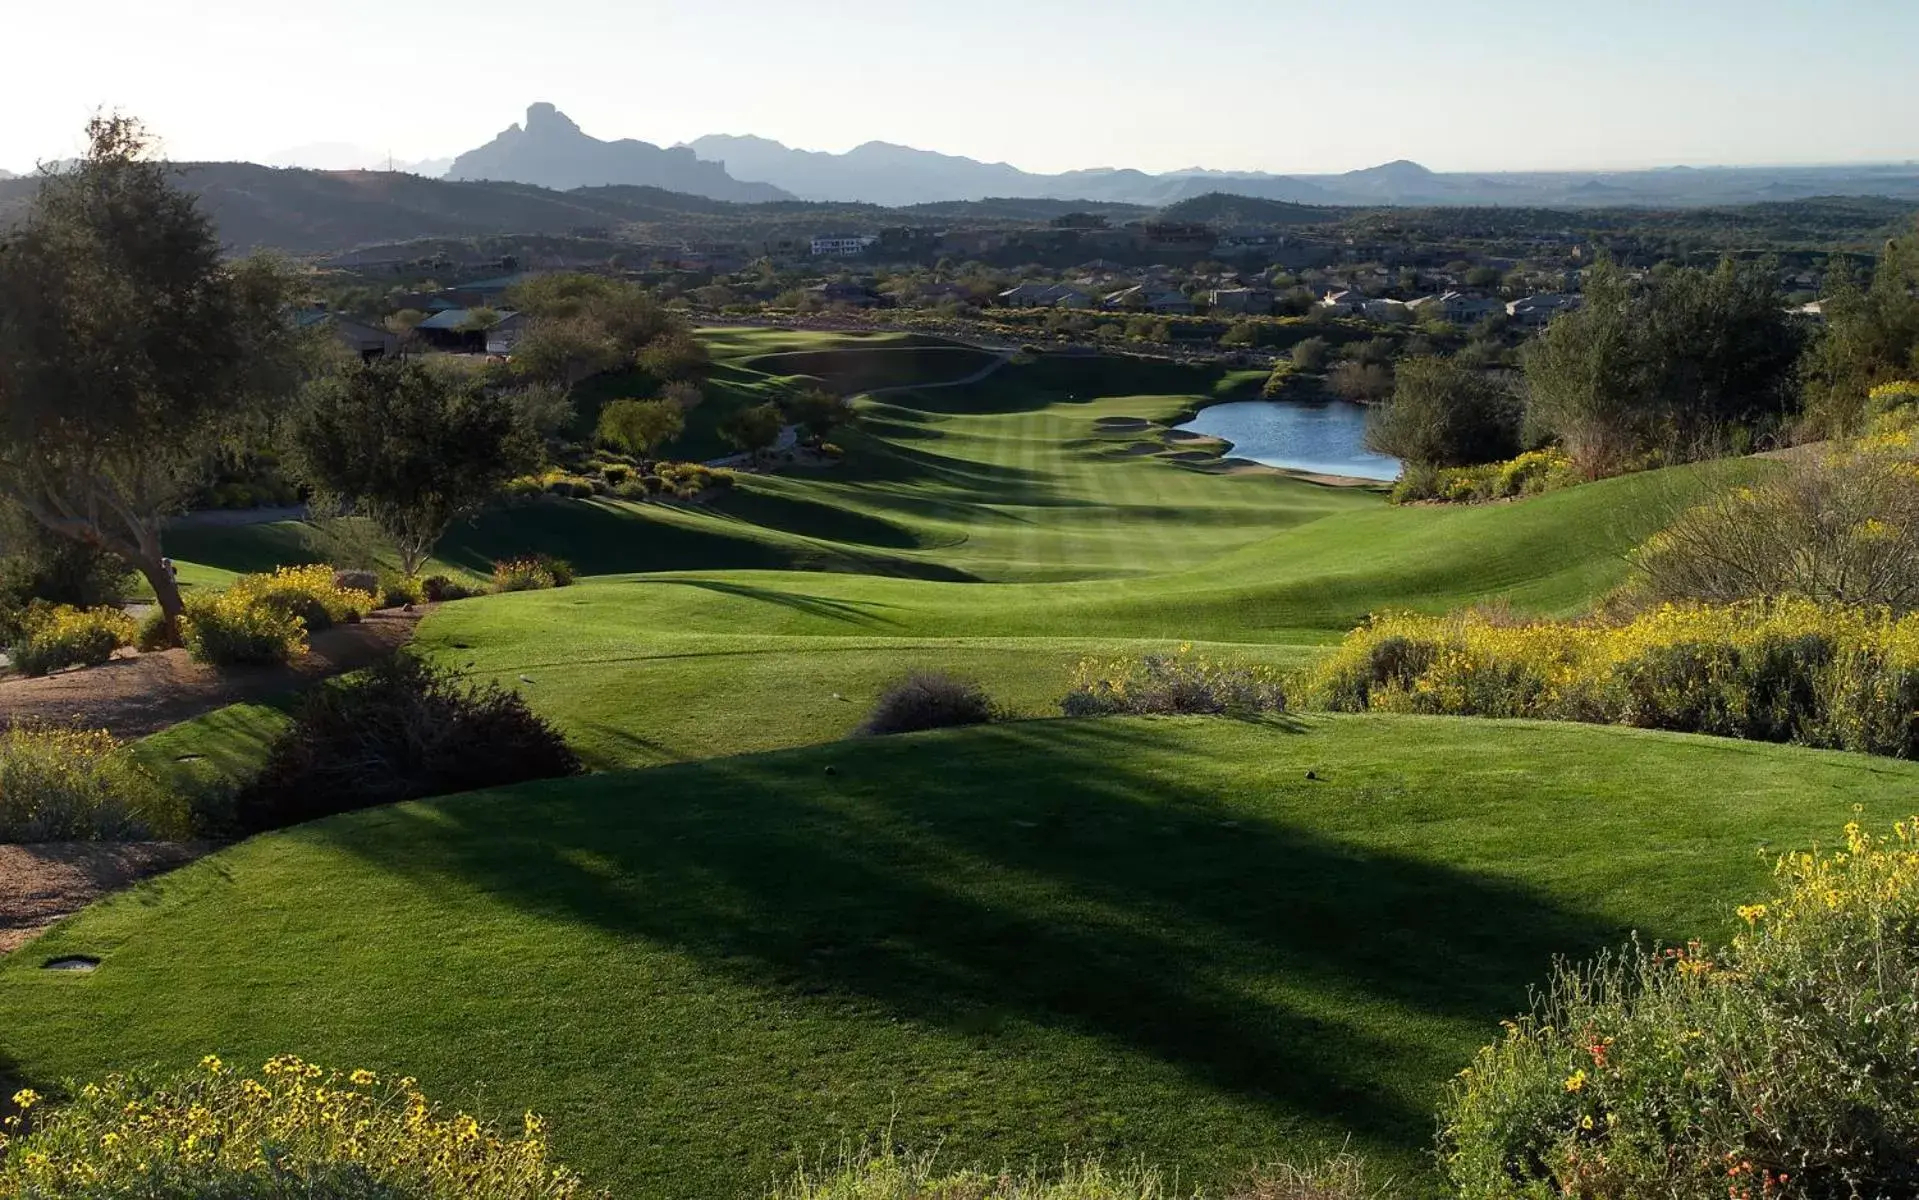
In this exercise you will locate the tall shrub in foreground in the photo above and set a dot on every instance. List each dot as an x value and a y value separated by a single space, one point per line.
929 700
400 730
1781 1065
295 1132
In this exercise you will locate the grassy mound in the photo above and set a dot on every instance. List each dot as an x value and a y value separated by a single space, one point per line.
1159 939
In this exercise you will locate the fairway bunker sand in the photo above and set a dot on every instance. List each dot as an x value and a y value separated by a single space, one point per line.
40 884
142 694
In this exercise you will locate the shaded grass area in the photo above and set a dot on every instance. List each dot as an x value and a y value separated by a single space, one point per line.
1129 938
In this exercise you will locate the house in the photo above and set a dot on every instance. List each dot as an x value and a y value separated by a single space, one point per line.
487 293
1245 243
1243 300
465 330
853 295
1044 295
1457 308
504 338
1814 312
1143 299
1535 312
1346 302
842 245
367 341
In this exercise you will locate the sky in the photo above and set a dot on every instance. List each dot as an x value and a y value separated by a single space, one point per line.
1288 86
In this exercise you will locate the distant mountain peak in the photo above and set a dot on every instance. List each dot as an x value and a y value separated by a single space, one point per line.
552 151
1404 167
545 118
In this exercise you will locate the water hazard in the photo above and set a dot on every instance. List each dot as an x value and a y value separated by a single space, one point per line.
1326 439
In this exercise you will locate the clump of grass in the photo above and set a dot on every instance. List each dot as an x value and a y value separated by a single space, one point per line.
929 700
71 785
1777 1066
295 1131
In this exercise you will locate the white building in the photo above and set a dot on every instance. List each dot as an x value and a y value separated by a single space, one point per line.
842 246
1535 312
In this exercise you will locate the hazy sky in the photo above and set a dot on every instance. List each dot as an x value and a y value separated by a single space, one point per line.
1277 85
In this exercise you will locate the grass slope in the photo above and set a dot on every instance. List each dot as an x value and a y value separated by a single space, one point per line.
1135 938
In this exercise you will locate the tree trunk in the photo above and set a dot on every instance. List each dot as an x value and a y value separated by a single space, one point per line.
166 589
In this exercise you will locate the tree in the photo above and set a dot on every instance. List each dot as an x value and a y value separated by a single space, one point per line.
1871 337
128 351
1309 354
753 429
479 320
1241 333
564 351
816 412
638 427
1671 366
673 356
410 449
1444 415
1361 382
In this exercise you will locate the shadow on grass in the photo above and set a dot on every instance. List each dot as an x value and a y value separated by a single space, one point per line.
1040 873
849 612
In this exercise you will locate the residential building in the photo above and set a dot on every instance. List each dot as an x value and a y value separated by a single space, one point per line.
461 330
1143 299
1246 243
842 245
364 339
1044 295
1346 302
1243 300
1814 312
1535 312
504 338
1458 308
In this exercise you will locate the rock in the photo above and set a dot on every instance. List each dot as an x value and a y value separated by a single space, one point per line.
357 581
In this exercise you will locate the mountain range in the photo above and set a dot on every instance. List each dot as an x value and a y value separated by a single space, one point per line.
550 150
553 152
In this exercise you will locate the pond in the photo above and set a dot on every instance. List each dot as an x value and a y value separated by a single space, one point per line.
1326 439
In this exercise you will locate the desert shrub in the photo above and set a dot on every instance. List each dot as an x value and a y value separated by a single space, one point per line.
616 474
1784 671
400 730
441 588
233 628
929 700
1843 529
1167 684
653 484
1779 1065
68 785
60 636
310 593
527 574
294 1132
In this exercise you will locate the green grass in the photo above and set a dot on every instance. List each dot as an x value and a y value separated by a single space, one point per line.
1133 938
1129 938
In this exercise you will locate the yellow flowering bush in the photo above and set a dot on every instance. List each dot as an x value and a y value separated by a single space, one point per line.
309 593
1787 670
1164 684
1780 1065
295 1131
1529 474
232 628
68 785
56 636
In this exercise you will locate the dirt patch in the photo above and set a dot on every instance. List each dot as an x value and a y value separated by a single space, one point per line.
1140 448
1190 456
1122 424
41 884
1243 466
145 693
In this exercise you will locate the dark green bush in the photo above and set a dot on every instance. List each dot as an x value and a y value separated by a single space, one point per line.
401 730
